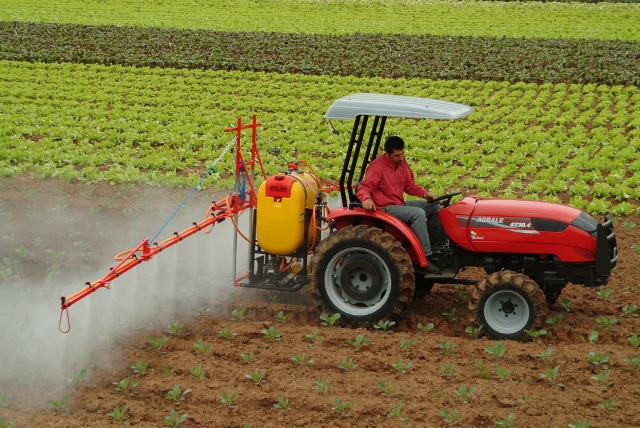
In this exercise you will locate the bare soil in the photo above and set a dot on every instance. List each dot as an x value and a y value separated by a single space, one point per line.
439 364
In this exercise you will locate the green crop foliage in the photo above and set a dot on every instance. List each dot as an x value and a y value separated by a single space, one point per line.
198 371
323 386
118 414
425 328
201 348
257 376
329 320
347 364
59 406
271 334
527 19
342 407
177 394
384 326
228 399
126 386
359 342
497 350
174 419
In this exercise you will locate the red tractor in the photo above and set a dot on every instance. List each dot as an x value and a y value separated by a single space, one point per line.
369 265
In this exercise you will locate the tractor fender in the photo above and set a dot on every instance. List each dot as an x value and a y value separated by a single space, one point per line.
342 217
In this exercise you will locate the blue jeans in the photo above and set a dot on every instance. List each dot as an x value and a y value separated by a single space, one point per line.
418 214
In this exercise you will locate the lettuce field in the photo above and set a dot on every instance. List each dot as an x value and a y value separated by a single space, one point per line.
111 110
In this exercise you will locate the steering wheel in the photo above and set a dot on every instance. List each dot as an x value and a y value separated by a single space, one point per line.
446 198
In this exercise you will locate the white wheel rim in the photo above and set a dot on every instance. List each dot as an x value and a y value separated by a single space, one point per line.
367 269
506 312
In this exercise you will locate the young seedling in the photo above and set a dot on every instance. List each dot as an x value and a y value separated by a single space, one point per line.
550 374
174 419
555 319
59 406
474 331
447 347
301 359
347 364
283 404
547 356
629 311
198 372
79 378
504 374
406 345
342 407
449 370
634 340
603 378
200 348
497 350
635 362
508 422
384 326
177 394
238 314
593 337
359 342
312 337
465 393
481 369
126 385
395 413
5 397
323 386
329 320
249 358
6 424
424 329
282 317
140 367
271 334
598 359
387 389
175 328
451 315
605 294
533 335
608 405
118 414
450 416
257 376
581 424
156 344
227 333
228 399
607 323
202 311
566 304
402 366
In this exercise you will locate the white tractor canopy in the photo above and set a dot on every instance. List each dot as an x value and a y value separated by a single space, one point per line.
350 106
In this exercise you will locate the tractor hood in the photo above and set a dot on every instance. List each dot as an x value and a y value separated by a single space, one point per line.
521 226
350 106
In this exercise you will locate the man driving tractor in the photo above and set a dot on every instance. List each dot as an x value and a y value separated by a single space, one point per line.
387 179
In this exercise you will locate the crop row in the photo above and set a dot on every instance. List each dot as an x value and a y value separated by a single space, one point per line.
441 17
119 124
364 55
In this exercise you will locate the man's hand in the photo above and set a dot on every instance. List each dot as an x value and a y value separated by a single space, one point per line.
368 204
429 196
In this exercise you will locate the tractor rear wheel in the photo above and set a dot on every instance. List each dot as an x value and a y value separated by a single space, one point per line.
506 304
362 273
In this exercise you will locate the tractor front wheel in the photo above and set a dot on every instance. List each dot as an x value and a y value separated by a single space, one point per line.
506 304
362 273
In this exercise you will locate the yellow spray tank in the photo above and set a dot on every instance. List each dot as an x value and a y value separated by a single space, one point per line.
281 211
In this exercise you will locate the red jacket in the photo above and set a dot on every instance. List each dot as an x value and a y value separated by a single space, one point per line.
386 183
